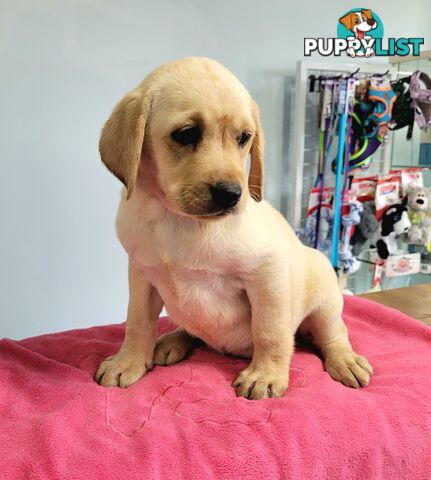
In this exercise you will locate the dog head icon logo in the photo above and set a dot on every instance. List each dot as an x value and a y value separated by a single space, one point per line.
360 26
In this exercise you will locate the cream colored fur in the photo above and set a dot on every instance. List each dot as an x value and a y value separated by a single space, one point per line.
241 282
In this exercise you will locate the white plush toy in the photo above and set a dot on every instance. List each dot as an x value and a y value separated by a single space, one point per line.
419 203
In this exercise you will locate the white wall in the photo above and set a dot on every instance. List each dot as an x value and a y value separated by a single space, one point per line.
63 65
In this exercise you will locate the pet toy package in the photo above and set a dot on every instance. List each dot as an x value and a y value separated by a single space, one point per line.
364 188
405 264
410 177
387 193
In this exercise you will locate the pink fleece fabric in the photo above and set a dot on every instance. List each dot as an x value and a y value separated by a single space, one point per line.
185 422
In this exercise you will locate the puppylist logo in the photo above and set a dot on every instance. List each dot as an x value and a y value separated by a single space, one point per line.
360 34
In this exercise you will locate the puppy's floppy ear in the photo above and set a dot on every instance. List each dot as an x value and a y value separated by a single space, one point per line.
255 178
348 20
368 14
123 136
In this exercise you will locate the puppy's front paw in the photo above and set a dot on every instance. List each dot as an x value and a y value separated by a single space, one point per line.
349 368
122 370
255 383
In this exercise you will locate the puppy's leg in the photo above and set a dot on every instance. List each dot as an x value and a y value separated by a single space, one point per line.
136 354
330 335
173 347
273 341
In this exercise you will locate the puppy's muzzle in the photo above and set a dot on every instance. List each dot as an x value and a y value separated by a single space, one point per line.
225 194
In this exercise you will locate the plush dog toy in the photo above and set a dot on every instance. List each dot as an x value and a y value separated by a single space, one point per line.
307 234
350 263
366 229
419 203
395 222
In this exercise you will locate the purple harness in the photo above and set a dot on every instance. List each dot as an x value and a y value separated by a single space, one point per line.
421 98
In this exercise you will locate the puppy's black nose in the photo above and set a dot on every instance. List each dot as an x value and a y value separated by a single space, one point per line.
420 201
225 194
371 22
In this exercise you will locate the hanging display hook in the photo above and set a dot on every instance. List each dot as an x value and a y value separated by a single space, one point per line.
353 73
381 74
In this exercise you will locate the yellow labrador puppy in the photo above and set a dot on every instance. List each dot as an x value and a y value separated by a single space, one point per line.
202 242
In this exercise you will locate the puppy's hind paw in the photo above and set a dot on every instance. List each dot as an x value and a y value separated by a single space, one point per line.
173 347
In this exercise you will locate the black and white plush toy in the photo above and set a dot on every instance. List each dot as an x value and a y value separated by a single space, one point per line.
395 222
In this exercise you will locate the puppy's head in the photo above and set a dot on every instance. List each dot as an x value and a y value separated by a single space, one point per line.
185 134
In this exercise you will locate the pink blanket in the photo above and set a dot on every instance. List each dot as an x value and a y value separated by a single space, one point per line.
184 422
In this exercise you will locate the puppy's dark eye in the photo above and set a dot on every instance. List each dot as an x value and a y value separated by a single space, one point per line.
243 139
187 136
357 20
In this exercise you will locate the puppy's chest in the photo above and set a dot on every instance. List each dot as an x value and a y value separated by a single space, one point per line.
209 305
199 278
198 293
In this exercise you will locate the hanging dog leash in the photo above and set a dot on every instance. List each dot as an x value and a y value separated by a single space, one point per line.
342 124
352 217
325 142
352 84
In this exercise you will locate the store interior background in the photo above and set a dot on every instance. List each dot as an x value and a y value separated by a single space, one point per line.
64 66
